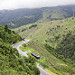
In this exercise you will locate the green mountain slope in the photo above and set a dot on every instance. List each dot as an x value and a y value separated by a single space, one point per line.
51 32
54 64
67 46
18 17
11 63
59 34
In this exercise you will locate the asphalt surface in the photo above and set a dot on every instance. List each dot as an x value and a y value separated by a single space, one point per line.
43 71
17 45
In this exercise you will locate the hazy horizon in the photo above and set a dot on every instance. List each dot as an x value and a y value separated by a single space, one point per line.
16 4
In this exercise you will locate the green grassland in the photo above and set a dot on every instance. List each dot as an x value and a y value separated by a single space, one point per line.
47 31
48 60
55 33
11 63
28 49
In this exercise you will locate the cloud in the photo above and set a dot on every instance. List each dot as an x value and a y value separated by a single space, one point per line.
13 4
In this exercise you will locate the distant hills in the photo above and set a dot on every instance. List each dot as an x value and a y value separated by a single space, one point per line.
18 17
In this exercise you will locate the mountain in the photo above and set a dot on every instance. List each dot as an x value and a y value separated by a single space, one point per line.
18 17
52 32
8 36
51 60
11 63
57 40
67 46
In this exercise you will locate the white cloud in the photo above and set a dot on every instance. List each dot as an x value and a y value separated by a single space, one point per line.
13 4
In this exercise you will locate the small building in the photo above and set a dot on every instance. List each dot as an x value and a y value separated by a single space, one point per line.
35 55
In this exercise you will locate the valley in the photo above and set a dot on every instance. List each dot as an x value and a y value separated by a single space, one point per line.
51 31
19 17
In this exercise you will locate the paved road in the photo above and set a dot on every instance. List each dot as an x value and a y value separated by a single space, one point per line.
20 43
43 71
17 45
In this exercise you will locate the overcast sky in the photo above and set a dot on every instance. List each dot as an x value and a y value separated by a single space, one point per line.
14 4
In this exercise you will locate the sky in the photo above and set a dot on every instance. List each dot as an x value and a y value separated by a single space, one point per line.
14 4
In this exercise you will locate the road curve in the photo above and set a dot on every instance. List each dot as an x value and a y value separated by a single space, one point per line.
17 45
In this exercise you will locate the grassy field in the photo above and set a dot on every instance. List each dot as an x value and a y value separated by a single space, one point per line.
42 60
52 33
48 60
51 62
47 31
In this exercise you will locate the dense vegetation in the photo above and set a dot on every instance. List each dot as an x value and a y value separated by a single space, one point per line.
67 46
59 39
45 25
8 36
11 63
18 17
51 32
52 61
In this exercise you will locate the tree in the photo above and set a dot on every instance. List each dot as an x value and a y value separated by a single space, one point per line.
9 31
6 27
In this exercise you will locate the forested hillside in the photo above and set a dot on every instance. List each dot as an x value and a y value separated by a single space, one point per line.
52 30
51 60
59 34
18 17
8 36
11 63
67 46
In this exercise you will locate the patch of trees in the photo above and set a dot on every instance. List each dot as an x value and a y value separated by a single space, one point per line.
55 19
8 36
67 46
33 26
11 63
51 49
23 30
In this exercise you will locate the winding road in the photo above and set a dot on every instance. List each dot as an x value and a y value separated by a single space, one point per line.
17 45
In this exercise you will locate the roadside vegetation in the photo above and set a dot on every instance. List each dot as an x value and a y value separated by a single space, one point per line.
29 50
57 40
49 59
11 63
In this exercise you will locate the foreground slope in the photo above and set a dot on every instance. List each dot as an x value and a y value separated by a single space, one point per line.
25 53
11 63
50 61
